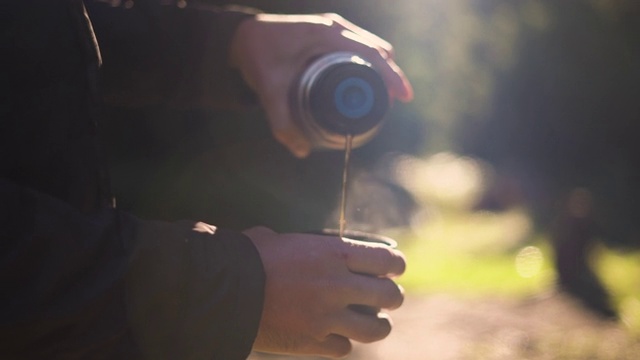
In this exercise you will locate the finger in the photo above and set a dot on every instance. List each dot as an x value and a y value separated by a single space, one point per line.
374 259
293 139
361 327
334 345
395 79
364 34
402 90
397 82
376 292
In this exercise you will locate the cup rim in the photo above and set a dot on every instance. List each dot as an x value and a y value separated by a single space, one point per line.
361 236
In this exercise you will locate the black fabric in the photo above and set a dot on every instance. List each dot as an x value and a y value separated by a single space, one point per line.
80 278
172 317
154 55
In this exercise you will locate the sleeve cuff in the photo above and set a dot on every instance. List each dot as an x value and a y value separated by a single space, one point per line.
195 292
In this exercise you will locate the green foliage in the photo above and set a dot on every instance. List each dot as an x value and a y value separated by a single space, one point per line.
466 254
470 254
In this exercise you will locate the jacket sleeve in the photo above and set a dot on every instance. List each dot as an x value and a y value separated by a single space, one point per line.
171 52
108 285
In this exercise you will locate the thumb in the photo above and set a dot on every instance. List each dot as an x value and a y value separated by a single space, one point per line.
282 124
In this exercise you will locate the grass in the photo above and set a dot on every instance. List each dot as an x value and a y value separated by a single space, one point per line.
476 254
480 254
496 255
621 274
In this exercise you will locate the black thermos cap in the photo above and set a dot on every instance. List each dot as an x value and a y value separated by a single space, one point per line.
349 99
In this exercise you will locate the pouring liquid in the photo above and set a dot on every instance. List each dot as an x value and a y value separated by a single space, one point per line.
362 309
345 175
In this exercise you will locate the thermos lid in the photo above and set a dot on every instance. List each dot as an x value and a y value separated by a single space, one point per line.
340 94
348 98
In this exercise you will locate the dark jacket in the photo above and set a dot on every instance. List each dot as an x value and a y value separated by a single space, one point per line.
81 279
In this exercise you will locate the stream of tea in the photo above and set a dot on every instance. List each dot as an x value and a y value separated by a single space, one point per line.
345 175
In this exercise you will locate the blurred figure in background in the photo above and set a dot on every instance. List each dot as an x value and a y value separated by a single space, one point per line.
562 137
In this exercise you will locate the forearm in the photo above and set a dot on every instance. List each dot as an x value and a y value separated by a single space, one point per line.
195 292
155 53
108 283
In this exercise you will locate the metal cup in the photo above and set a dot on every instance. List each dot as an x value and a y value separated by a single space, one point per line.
365 237
361 236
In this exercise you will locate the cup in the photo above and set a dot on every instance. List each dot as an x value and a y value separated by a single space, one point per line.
365 237
360 236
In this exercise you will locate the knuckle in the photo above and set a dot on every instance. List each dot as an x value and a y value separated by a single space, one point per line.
393 260
335 18
396 262
338 346
370 52
398 300
391 50
322 329
343 350
393 297
314 32
401 264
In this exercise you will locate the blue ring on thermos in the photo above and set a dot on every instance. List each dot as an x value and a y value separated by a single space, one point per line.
353 97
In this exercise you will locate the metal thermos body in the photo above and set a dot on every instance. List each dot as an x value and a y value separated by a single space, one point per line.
339 94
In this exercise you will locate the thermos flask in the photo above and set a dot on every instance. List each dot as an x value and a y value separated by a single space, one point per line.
337 95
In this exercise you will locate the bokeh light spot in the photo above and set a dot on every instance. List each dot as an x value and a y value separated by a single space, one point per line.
529 261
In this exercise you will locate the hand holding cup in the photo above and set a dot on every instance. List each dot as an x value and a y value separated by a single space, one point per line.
314 281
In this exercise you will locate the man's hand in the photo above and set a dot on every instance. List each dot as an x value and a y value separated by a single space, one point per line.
272 50
312 283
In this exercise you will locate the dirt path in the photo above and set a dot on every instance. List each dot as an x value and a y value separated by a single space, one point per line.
443 327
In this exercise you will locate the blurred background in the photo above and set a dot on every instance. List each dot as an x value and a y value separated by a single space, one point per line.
510 182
